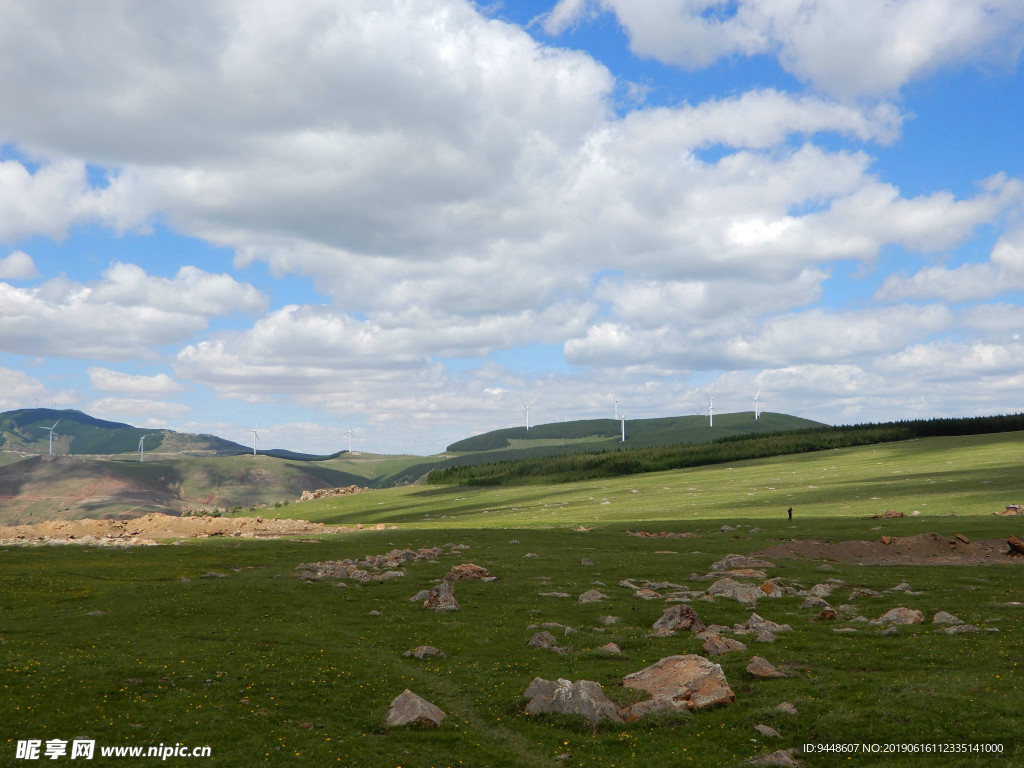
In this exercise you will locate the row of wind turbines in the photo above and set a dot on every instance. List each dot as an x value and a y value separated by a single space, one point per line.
621 417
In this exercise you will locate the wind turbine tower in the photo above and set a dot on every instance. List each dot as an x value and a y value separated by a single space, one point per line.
255 438
622 419
142 447
711 409
51 434
349 433
527 407
756 414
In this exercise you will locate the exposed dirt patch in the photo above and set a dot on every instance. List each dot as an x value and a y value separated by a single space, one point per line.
922 549
147 529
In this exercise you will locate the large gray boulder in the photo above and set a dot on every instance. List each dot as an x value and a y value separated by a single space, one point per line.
442 598
584 698
408 708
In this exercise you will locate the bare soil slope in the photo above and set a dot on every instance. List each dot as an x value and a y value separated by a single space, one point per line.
922 549
148 528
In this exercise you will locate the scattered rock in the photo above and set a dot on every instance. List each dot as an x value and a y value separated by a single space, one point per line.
678 618
442 598
942 617
814 602
326 493
759 624
730 562
761 667
554 594
468 572
899 615
781 757
420 596
828 614
960 629
716 645
787 708
424 652
409 708
679 682
609 620
647 594
584 697
610 649
545 641
586 561
765 730
214 575
734 590
591 596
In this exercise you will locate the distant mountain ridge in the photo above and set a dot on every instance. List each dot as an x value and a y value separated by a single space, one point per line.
26 431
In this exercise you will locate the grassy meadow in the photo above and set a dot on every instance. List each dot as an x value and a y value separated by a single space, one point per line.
147 646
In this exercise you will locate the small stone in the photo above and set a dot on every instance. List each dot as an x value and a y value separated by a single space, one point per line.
900 615
647 594
554 594
424 652
544 640
610 649
591 596
782 758
766 730
787 708
586 561
942 617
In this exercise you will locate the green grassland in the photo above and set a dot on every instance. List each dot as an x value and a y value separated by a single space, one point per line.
142 646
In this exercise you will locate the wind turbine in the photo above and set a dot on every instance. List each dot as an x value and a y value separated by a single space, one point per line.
622 418
527 407
711 409
51 433
142 446
756 415
255 438
349 433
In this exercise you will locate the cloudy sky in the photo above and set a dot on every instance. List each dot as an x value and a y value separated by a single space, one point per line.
407 217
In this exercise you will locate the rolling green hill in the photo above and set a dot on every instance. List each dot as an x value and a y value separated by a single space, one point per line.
640 433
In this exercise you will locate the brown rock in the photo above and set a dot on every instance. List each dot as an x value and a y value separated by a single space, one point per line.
828 614
442 598
760 667
678 618
467 572
679 682
716 645
408 708
584 697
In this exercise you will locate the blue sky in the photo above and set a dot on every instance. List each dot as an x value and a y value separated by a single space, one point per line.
412 217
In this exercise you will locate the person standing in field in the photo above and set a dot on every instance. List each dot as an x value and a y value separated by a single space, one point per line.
790 513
